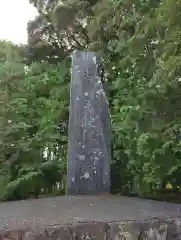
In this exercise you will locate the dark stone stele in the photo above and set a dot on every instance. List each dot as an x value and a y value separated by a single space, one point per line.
89 129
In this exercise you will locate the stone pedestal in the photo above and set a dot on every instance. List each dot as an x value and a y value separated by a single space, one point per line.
91 218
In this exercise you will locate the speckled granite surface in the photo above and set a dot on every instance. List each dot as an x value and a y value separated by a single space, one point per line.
90 218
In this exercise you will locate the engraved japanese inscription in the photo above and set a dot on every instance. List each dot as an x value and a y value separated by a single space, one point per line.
89 129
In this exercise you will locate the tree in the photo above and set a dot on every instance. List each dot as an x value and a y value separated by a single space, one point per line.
140 47
33 126
139 42
59 29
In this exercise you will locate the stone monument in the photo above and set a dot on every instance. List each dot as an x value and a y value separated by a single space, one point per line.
89 129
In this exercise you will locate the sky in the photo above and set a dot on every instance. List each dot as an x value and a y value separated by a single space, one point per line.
14 16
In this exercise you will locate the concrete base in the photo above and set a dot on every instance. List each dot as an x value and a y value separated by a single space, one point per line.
84 218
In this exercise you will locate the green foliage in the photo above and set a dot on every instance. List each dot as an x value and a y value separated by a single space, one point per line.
139 42
143 67
57 30
34 113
